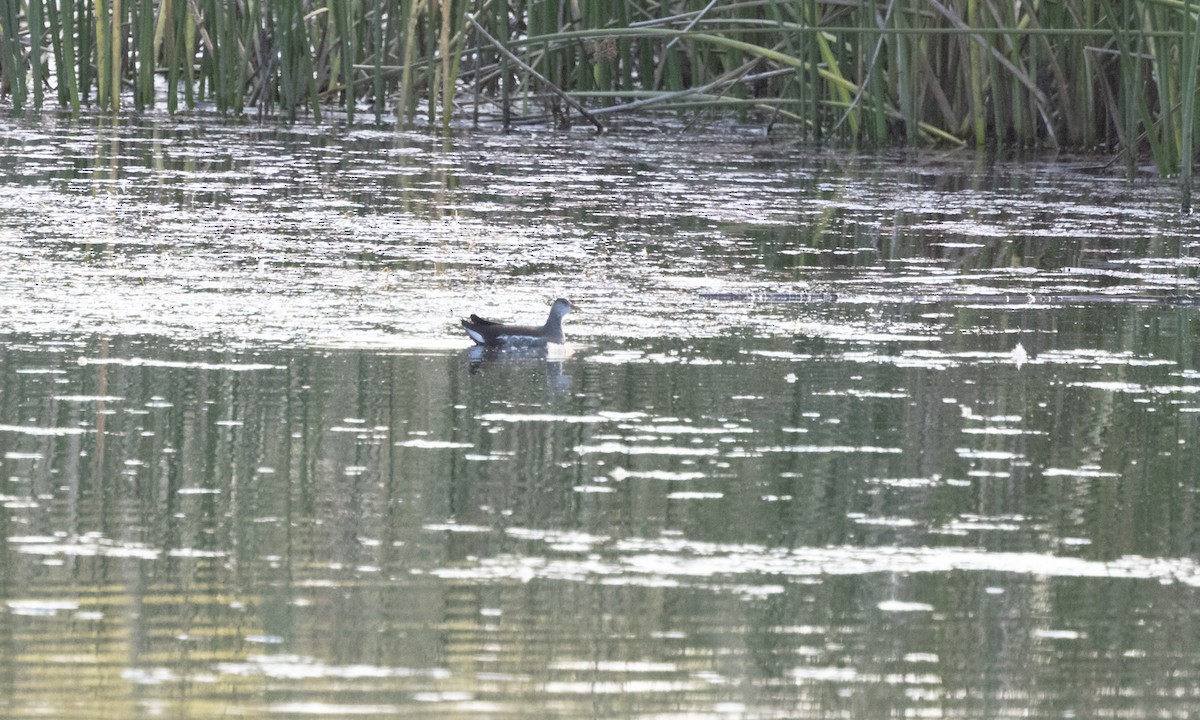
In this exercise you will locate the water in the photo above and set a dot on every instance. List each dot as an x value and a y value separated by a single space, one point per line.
834 436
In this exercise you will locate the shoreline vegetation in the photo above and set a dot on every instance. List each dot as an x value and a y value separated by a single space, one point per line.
1116 77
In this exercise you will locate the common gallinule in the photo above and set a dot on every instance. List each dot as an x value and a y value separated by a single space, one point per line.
494 334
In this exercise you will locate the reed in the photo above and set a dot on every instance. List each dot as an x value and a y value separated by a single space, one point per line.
1190 58
1114 76
13 75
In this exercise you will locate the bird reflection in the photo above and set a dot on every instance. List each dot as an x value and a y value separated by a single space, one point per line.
485 358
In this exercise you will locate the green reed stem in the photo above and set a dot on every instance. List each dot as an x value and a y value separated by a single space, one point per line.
1191 58
34 18
103 56
378 52
342 11
144 90
114 47
13 53
406 105
62 40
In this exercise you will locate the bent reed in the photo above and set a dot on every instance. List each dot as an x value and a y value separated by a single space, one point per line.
1078 74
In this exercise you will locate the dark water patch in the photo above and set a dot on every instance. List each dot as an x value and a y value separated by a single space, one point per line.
383 532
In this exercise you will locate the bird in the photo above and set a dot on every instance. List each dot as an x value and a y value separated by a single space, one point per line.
494 334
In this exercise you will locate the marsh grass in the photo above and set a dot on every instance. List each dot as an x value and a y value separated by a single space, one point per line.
1078 74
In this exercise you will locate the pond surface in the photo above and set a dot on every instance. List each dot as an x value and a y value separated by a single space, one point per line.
833 436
